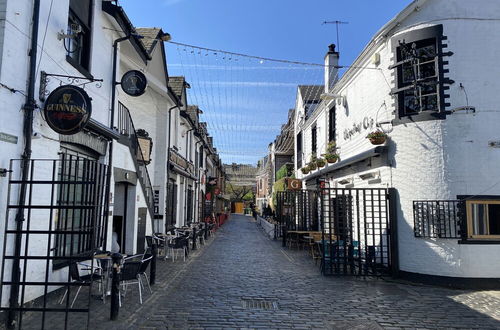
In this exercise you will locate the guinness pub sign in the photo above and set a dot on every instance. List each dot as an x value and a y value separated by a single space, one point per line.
67 109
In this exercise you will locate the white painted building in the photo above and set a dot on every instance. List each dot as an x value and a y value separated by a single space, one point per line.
126 207
442 146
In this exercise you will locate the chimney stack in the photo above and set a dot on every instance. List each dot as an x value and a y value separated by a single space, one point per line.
331 67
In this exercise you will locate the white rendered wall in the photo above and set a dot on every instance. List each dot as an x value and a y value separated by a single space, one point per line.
437 159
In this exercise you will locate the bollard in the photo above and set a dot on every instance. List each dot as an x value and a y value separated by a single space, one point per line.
152 270
284 235
115 286
194 238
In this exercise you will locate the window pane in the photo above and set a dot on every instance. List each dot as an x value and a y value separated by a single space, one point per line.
408 74
427 52
427 70
479 219
429 102
410 102
494 219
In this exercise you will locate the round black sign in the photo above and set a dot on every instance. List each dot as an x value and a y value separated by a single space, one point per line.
134 83
67 109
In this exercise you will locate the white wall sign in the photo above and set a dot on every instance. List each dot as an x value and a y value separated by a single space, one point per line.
366 124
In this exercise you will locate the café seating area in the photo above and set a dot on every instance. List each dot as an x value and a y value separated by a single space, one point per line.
134 276
334 255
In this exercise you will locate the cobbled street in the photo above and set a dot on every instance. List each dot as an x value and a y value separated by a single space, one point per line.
208 292
214 289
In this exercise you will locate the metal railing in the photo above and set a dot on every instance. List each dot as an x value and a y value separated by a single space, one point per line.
437 218
126 128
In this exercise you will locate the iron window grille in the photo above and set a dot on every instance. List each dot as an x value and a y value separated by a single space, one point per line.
74 219
420 75
437 218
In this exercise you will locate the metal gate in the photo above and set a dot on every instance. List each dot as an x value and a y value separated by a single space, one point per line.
297 210
358 234
60 226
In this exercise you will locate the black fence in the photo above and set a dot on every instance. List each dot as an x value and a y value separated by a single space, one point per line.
61 224
358 236
297 210
437 218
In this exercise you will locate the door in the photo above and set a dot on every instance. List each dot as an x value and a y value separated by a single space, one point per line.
141 228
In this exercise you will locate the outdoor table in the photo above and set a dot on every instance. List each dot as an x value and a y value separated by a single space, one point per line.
106 266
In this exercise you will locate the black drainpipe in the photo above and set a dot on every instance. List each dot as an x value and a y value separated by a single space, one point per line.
197 183
111 124
114 308
29 107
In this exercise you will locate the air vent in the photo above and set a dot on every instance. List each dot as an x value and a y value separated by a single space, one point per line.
259 303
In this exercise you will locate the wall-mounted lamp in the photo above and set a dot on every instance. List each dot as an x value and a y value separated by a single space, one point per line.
346 181
370 175
165 37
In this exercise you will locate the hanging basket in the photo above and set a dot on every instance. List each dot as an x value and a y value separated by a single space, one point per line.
377 140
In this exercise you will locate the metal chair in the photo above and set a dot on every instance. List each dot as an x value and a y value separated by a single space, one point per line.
142 271
179 243
74 273
130 275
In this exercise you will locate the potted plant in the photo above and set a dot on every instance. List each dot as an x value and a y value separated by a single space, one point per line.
331 155
305 170
312 164
331 158
377 137
320 162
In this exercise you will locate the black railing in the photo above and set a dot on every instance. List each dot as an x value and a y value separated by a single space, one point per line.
437 218
126 128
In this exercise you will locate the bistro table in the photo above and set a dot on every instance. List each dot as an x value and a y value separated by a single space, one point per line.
105 260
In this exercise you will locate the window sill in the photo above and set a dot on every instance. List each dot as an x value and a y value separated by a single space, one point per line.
423 116
80 68
479 241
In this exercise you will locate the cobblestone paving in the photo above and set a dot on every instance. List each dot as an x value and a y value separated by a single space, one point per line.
227 283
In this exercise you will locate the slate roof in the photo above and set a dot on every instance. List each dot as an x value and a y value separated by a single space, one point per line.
311 92
177 84
192 111
150 37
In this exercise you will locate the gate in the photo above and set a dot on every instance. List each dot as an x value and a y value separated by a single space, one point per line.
62 223
297 211
358 236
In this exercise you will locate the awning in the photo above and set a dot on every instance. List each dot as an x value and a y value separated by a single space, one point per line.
181 171
329 168
101 129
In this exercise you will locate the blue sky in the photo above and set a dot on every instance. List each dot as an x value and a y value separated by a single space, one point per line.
245 101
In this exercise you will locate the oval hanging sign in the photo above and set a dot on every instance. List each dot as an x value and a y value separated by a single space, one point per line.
67 109
134 83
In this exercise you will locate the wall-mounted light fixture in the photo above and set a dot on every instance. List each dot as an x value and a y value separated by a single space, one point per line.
370 175
346 181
